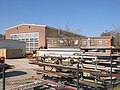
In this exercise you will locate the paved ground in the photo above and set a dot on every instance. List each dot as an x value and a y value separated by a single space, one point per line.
21 73
20 63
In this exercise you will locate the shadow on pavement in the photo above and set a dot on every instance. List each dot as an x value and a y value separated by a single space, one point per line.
13 73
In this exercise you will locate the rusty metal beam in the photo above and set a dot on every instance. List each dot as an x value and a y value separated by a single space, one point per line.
54 73
71 68
74 69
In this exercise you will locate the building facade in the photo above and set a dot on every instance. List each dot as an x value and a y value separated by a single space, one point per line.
64 42
81 41
98 41
34 35
104 44
85 43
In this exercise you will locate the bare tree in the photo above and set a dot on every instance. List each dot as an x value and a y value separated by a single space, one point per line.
106 33
115 32
2 36
66 35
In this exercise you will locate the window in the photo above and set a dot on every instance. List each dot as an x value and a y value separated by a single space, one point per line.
61 41
31 44
35 39
36 45
84 42
49 41
100 41
91 42
76 42
31 39
54 42
27 40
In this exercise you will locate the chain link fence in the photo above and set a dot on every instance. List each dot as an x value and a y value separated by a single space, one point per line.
19 75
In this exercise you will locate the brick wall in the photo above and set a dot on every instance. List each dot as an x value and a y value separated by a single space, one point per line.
82 42
28 29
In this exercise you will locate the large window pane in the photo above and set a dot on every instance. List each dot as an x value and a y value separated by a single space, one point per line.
31 39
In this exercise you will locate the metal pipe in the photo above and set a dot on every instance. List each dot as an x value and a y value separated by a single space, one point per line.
96 68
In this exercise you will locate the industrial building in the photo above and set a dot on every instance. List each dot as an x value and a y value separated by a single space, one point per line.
42 36
12 48
34 35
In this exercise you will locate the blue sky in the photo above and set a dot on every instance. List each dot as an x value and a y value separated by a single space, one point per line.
91 16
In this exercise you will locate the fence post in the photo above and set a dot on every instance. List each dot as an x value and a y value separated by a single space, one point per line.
3 76
111 59
78 76
2 61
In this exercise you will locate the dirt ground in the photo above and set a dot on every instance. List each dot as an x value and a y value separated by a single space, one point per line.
21 73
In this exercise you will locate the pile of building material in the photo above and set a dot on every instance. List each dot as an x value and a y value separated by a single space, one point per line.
94 71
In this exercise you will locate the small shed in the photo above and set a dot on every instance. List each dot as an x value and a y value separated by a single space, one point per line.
12 48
